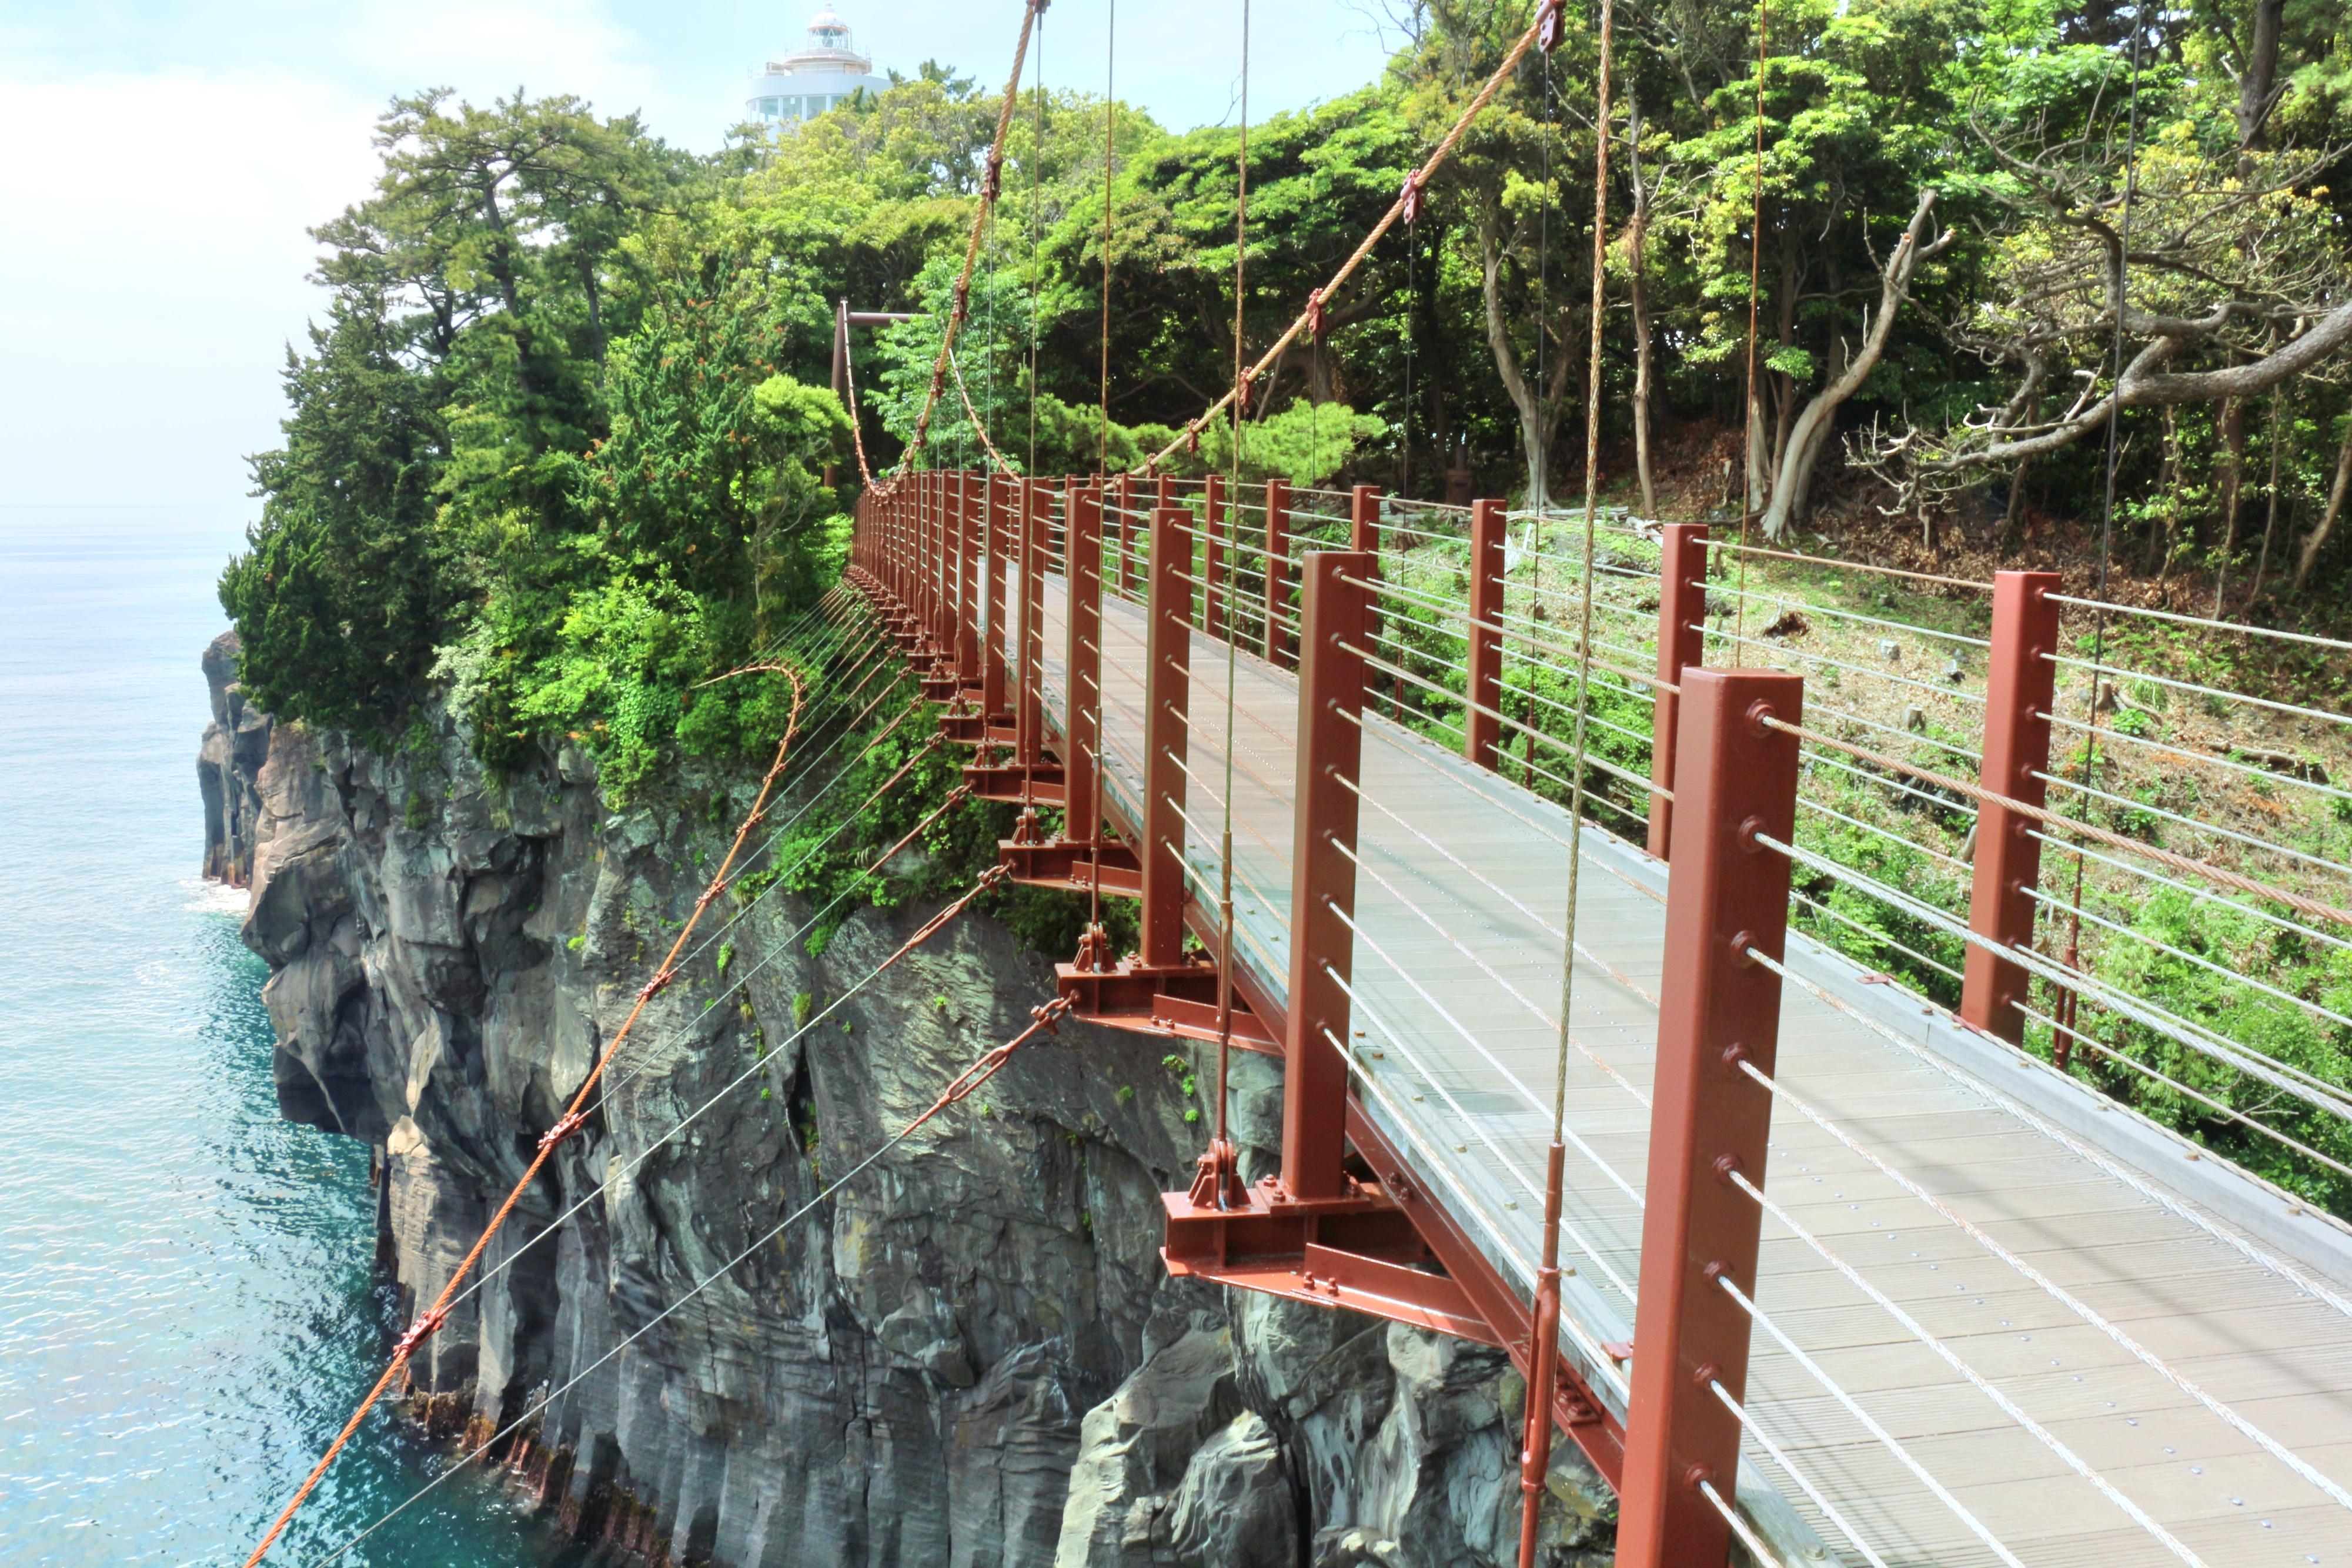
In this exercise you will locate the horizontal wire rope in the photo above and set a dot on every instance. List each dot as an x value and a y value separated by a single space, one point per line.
1738 548
2081 1150
2182 863
1468 1122
2083 1310
2116 672
2168 751
1534 1100
2108 608
1755 1429
2215 828
2140 1010
2202 895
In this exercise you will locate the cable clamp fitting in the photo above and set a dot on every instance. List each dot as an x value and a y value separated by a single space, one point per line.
1550 24
571 1124
657 985
418 1331
1409 199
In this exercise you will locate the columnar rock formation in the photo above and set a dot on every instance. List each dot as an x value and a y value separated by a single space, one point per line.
971 1356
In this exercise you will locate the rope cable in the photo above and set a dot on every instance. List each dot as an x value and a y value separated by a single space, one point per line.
1750 493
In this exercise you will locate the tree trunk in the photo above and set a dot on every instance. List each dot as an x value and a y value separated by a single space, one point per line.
2233 465
1537 406
2317 539
1813 426
2270 521
2258 86
1636 242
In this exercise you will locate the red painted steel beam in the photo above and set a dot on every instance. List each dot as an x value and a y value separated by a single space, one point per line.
1167 695
1213 560
1125 574
1682 643
1029 714
2019 693
942 574
1278 569
1482 731
1323 879
991 533
967 580
1081 729
1726 895
1364 521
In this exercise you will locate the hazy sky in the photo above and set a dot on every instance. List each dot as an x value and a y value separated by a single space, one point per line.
164 160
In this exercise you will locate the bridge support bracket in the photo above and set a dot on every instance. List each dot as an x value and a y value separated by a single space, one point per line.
1068 865
1359 1251
1178 1002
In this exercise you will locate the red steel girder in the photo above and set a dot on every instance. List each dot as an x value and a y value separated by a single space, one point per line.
1726 896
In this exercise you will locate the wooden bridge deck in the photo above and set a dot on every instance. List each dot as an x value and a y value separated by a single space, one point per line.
1462 891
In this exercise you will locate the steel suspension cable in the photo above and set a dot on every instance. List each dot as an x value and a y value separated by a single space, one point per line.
1223 1147
1535 1455
2112 458
992 185
1320 299
1749 495
1036 228
1110 153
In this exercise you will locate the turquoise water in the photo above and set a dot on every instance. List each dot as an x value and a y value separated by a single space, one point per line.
187 1300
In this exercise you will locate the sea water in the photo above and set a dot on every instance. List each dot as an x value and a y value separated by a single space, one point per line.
188 1302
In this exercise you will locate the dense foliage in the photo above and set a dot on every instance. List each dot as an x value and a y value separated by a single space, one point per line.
559 438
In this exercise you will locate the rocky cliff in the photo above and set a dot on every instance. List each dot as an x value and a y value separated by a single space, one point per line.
971 1356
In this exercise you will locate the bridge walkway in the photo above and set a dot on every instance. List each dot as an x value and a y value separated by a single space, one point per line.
1457 977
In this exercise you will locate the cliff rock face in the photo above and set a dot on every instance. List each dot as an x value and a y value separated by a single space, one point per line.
236 745
971 1356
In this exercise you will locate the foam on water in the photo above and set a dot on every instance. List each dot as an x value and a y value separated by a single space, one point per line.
187 1299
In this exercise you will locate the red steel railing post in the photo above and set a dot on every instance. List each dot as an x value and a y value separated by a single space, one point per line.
992 531
1726 895
1322 876
935 562
1364 521
1481 730
1082 726
967 623
942 567
1682 643
1167 695
1278 569
1213 560
914 595
1126 570
1028 660
1364 538
2020 687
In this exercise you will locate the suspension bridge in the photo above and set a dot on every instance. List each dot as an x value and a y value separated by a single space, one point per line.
1810 1266
1844 1275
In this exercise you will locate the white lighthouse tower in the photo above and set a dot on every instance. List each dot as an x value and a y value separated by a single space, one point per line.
822 73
